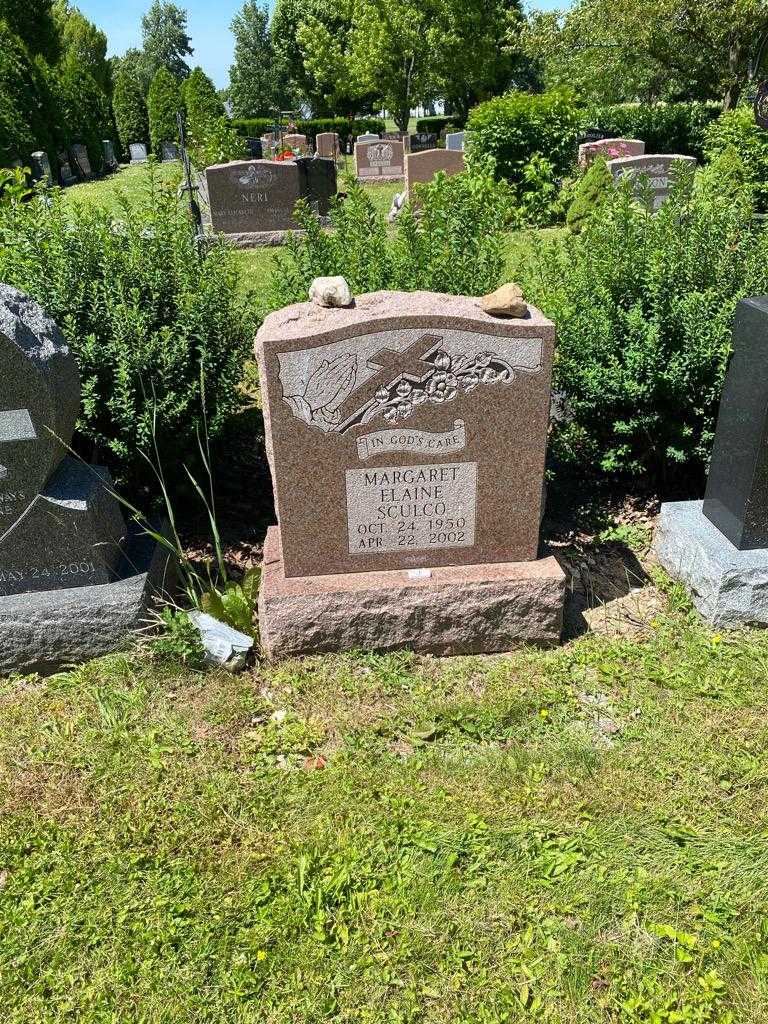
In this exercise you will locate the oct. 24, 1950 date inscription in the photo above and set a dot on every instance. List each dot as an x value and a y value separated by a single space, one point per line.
404 508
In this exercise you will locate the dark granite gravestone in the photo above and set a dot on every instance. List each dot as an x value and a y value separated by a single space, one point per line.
169 151
736 499
406 436
41 167
719 547
60 527
81 163
318 182
422 141
255 148
593 135
108 150
65 170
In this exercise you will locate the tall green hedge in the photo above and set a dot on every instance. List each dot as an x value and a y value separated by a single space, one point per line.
256 126
664 127
27 115
434 125
163 103
201 100
737 129
513 128
130 111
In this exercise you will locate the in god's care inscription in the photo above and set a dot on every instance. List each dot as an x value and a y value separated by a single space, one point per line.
411 508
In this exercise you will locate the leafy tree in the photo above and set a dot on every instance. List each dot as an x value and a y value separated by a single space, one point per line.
165 39
82 42
163 103
311 38
619 50
392 54
201 99
33 22
255 76
130 110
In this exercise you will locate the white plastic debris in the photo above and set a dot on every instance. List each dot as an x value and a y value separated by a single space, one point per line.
223 645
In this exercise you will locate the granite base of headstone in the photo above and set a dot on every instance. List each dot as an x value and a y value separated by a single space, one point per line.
718 548
406 437
73 580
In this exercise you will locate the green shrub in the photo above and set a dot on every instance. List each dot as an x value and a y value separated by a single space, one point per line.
591 191
455 245
514 128
163 104
644 306
215 141
347 129
665 127
130 111
146 314
737 128
86 111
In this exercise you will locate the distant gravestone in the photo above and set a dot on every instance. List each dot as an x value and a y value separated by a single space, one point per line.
138 152
108 150
41 167
328 145
255 148
656 170
593 135
611 149
422 141
429 418
81 162
169 151
421 167
403 137
298 143
60 528
454 140
65 170
719 547
367 137
382 160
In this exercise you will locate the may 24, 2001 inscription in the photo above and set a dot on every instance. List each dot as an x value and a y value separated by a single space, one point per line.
403 508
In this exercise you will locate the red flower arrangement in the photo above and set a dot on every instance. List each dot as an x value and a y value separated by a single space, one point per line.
286 154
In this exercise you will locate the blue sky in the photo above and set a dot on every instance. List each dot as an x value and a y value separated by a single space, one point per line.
209 22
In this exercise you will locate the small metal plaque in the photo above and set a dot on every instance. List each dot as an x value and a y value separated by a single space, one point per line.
411 508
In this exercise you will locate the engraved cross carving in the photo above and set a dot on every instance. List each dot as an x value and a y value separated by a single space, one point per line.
392 365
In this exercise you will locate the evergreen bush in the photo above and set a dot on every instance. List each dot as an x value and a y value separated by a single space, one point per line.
163 104
201 100
130 110
591 191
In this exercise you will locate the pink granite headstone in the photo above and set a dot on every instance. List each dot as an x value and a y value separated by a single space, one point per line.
611 149
654 172
422 167
382 159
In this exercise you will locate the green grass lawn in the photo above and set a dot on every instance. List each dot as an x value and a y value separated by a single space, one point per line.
571 836
125 185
